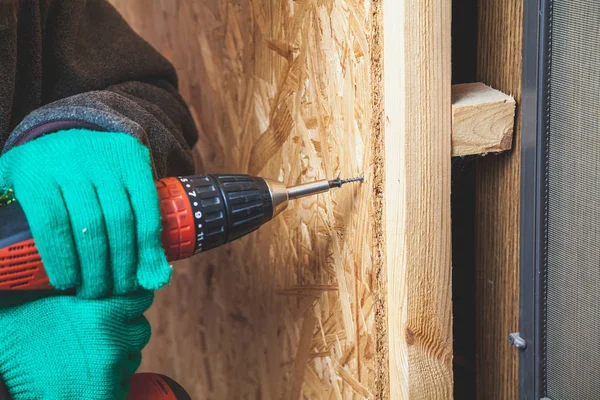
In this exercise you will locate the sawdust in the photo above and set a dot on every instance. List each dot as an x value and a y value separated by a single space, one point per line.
382 386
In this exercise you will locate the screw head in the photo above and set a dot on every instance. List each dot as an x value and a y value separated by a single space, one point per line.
516 340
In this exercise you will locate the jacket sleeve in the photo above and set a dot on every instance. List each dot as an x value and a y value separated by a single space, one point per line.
99 74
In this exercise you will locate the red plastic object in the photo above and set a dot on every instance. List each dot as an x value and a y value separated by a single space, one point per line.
21 267
178 234
147 386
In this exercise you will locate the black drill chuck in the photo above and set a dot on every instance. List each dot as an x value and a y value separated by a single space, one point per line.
226 207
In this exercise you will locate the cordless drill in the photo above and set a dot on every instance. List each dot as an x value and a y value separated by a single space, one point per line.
198 213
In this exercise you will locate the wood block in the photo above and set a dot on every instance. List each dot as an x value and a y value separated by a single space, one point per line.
482 119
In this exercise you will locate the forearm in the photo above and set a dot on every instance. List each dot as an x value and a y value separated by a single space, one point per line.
153 114
84 67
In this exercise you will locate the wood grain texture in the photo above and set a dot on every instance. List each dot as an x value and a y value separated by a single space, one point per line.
482 119
285 89
417 196
498 191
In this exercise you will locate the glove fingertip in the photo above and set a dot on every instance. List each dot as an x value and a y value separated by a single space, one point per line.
153 271
64 278
62 270
134 360
146 298
156 277
138 335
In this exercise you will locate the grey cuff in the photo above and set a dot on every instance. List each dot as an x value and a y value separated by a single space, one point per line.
73 112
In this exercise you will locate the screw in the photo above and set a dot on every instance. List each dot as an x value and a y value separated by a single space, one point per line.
337 182
516 340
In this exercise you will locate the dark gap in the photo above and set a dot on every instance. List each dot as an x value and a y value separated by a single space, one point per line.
464 64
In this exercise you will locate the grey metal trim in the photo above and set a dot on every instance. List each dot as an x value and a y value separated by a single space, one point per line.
532 202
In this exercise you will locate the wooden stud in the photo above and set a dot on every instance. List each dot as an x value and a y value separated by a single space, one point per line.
482 119
499 65
417 197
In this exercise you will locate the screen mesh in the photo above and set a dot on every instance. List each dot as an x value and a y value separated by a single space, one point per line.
571 289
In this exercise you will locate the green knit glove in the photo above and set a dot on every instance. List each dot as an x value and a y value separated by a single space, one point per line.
93 209
65 347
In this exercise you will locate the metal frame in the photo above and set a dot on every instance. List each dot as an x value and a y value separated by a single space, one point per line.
533 177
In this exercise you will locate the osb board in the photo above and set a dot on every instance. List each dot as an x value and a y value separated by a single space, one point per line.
283 89
497 227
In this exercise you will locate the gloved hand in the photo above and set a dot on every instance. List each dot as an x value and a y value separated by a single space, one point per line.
93 210
65 347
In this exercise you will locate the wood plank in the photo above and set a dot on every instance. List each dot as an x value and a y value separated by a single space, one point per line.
498 190
286 90
482 119
417 195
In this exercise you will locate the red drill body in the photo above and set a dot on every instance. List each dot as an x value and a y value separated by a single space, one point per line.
198 213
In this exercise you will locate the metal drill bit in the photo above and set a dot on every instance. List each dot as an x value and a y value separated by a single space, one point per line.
281 195
310 188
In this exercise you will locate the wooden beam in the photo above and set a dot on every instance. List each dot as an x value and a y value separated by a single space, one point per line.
497 220
417 197
482 119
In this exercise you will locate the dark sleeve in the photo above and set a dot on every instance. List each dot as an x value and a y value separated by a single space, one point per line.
4 395
98 74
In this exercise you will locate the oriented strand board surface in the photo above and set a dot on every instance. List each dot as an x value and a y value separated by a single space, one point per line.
283 89
498 191
482 119
417 196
